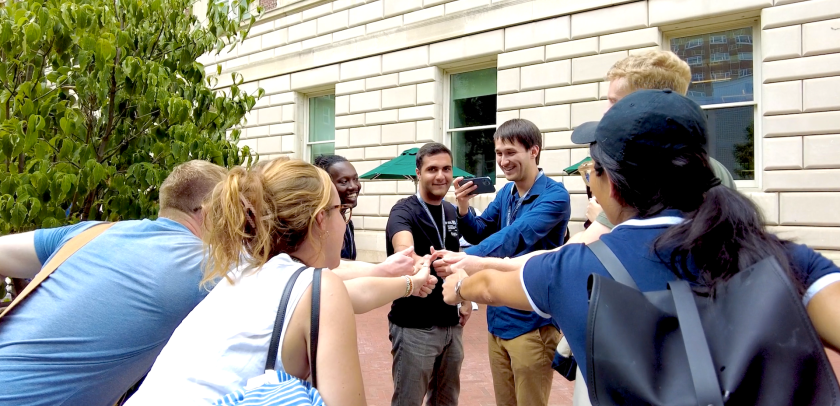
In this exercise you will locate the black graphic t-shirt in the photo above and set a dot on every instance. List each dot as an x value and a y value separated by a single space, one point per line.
409 215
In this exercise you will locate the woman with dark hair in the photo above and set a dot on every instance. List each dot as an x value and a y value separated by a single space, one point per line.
653 178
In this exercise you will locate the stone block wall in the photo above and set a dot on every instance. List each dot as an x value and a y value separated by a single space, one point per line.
801 119
387 61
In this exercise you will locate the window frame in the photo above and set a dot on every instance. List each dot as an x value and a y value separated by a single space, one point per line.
753 185
307 149
694 58
447 93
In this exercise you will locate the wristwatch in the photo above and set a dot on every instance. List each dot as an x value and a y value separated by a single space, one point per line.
458 289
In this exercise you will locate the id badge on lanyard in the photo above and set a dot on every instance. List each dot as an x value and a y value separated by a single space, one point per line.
442 219
511 214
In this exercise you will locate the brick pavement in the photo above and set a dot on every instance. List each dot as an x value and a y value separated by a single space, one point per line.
476 382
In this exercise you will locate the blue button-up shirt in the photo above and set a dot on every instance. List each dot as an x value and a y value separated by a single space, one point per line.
539 223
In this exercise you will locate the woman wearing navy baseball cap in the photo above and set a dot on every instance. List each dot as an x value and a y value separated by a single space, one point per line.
675 222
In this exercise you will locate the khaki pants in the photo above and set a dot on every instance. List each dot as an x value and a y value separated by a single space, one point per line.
521 367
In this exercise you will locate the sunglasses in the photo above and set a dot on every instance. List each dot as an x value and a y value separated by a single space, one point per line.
586 171
346 211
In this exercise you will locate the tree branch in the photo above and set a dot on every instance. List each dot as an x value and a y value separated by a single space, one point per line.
112 95
44 62
51 90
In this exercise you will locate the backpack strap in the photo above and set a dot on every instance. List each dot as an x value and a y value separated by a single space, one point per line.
66 251
274 344
313 329
700 364
612 263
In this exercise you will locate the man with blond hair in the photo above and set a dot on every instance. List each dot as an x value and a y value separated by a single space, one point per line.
655 69
95 326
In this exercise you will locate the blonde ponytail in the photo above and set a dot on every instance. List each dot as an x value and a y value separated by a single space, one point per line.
257 214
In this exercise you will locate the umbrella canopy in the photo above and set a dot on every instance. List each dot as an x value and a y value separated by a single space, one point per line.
573 170
402 167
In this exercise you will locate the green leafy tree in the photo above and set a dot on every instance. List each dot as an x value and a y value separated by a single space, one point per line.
100 99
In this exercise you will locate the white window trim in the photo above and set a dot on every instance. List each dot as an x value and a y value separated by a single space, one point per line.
306 150
753 22
447 75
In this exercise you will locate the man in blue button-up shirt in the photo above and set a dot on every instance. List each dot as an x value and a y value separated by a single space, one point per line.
530 213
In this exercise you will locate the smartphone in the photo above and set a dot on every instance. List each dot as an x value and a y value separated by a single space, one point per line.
485 185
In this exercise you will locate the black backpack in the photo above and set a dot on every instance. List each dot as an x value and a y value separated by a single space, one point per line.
750 344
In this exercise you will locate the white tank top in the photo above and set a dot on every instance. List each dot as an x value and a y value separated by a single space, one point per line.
223 342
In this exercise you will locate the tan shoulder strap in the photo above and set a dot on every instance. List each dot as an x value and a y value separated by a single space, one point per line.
65 252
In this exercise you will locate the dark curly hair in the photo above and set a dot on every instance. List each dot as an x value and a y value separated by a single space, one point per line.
326 161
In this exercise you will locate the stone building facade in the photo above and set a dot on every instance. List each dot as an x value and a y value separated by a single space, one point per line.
368 79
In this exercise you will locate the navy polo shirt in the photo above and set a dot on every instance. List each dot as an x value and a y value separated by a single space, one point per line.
538 224
556 283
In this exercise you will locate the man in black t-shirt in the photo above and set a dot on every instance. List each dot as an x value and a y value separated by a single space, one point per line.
425 333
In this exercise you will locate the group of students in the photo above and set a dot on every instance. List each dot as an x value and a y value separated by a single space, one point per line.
191 297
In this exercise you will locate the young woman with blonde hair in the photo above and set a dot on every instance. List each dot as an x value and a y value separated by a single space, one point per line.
266 223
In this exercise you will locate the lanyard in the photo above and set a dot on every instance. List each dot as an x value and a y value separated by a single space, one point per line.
514 210
442 219
352 243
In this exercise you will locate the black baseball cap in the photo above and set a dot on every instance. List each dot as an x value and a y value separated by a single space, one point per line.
643 122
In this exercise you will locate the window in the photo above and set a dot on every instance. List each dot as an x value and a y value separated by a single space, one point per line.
717 39
724 87
471 121
694 43
719 57
743 39
320 126
694 60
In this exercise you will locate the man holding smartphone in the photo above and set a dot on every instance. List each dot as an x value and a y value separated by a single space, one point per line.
530 213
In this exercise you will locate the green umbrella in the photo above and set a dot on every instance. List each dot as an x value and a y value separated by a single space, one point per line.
573 170
402 167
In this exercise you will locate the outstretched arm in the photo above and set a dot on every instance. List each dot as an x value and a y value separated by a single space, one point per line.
491 287
19 257
824 309
591 234
369 293
401 263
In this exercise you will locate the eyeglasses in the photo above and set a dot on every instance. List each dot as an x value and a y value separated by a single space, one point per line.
586 171
346 211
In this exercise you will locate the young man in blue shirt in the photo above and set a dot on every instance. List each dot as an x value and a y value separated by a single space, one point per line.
529 213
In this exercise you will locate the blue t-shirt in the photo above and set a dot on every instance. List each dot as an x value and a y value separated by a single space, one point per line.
556 283
511 227
95 326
